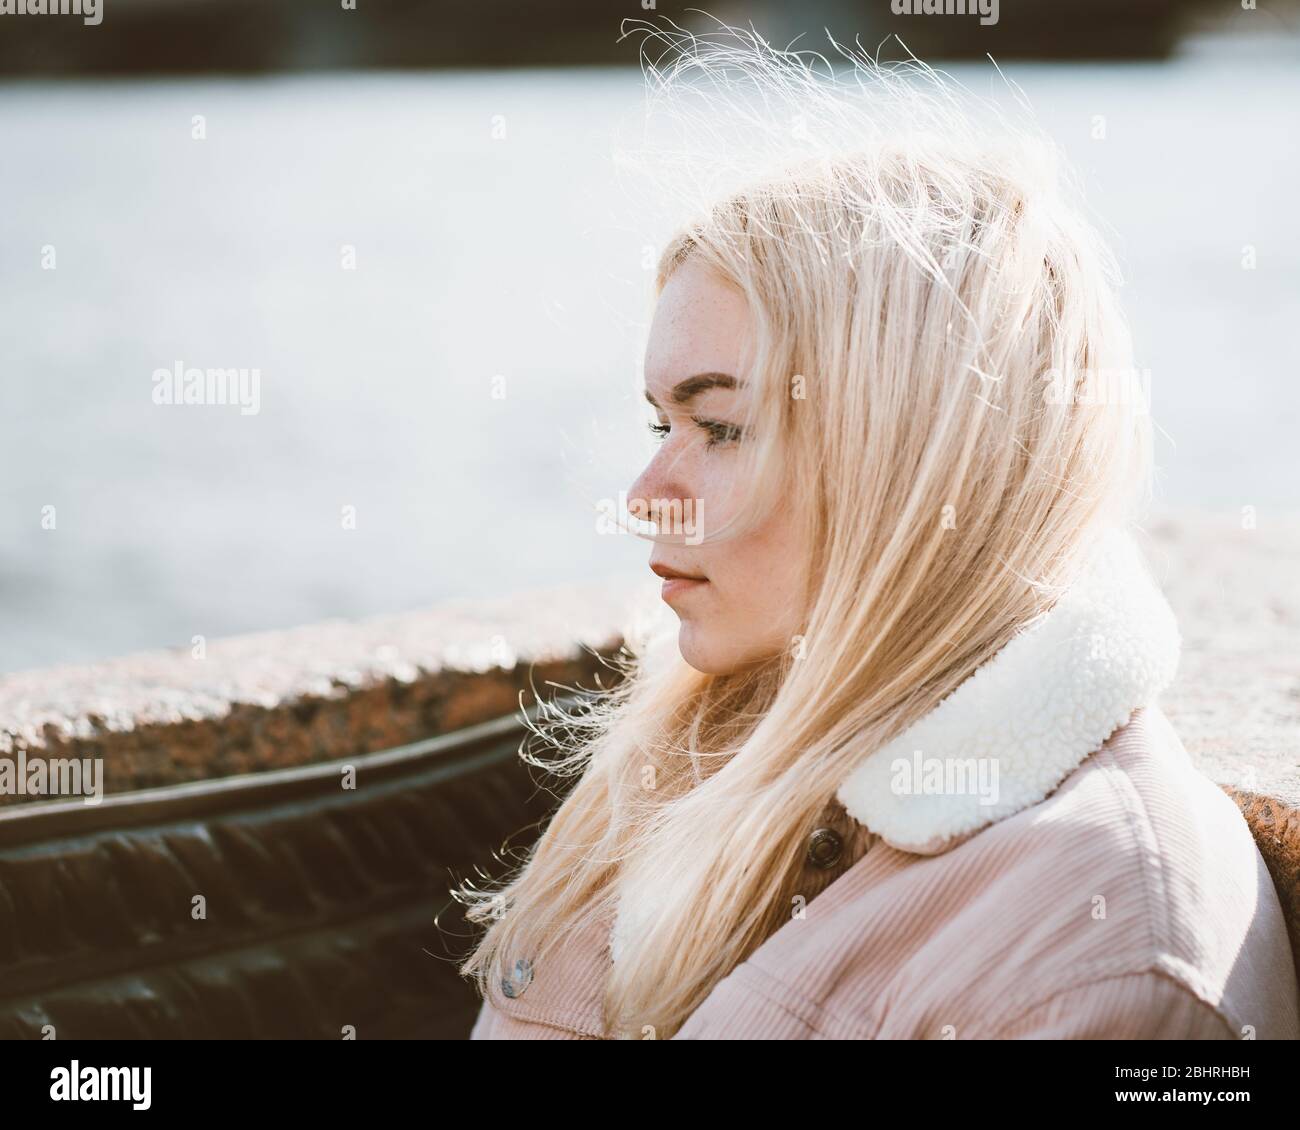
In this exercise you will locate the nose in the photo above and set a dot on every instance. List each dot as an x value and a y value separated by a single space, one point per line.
640 495
655 492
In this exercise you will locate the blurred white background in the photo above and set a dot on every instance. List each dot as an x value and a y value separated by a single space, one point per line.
477 258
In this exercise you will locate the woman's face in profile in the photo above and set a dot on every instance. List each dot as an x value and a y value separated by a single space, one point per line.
743 600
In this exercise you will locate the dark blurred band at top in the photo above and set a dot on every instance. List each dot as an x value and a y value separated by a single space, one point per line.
192 36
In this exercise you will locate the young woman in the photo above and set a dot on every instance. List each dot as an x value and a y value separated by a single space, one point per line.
900 771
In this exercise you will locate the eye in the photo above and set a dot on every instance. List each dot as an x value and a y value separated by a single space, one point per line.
657 430
719 431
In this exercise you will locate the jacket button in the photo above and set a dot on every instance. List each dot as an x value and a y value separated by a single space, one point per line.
514 985
825 848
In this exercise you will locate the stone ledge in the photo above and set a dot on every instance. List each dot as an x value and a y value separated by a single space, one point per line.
316 693
1236 593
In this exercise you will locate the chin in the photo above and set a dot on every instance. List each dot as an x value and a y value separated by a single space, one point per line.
710 655
697 652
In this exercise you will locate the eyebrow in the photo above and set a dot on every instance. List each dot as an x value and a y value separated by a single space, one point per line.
690 387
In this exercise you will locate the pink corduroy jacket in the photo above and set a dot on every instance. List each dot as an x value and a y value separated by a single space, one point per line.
1035 858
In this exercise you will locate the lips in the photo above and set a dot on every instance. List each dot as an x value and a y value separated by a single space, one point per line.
674 574
676 582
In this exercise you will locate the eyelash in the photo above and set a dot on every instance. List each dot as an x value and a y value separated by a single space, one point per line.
718 432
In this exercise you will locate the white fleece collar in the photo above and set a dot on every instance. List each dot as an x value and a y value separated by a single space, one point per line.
1029 716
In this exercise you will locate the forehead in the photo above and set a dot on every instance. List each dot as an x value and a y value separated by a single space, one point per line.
701 324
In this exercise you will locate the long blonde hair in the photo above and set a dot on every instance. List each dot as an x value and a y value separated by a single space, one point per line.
932 316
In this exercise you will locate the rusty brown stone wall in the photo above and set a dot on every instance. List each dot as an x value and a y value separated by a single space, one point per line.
318 693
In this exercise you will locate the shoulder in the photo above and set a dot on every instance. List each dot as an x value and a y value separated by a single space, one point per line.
1143 896
1132 901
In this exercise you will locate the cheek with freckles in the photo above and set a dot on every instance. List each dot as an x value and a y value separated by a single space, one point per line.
751 609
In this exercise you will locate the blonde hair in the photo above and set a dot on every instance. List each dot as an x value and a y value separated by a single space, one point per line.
944 309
